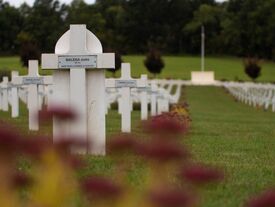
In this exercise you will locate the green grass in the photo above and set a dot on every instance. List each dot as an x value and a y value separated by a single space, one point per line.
177 67
180 67
235 136
225 133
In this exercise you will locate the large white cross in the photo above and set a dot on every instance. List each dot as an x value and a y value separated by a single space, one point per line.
125 83
79 88
32 80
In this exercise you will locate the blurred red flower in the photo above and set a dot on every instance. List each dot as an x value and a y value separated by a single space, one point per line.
163 151
200 174
170 198
10 141
123 143
35 146
266 199
20 179
100 188
165 124
60 112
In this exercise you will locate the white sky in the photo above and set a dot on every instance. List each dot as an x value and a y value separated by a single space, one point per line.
17 3
30 2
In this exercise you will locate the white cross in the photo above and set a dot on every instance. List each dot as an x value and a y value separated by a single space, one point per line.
125 83
79 88
4 89
14 96
154 91
144 100
32 80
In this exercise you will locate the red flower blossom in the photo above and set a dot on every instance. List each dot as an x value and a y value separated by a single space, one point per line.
123 143
170 198
199 174
9 141
165 124
100 188
75 162
60 112
35 146
163 151
266 199
20 180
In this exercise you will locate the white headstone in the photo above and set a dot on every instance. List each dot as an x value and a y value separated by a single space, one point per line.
14 96
79 88
32 80
4 87
125 83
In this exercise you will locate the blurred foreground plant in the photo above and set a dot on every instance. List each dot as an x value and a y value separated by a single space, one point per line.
172 178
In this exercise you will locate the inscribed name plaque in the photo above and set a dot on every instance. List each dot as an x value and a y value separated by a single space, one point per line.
32 80
77 61
126 83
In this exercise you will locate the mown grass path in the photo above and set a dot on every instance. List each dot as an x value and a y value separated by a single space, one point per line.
235 136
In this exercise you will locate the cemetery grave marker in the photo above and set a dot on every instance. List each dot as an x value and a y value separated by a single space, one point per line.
125 83
14 96
32 80
4 94
79 83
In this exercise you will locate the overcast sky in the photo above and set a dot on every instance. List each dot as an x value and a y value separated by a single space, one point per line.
30 2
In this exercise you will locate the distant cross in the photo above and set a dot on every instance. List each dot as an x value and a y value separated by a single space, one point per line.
32 80
14 96
4 89
125 83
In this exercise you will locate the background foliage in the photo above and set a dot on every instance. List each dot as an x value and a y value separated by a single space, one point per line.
236 27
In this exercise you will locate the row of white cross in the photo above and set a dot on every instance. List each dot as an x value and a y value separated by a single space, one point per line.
35 90
78 82
253 94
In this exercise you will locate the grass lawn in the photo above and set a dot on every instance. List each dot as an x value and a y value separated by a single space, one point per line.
225 133
178 67
236 136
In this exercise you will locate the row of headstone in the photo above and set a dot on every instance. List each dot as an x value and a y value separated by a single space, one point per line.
253 94
35 90
30 89
126 91
78 82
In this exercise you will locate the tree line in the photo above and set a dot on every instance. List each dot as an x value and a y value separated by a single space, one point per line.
237 27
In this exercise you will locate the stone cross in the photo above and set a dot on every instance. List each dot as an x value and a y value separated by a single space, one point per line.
79 84
4 89
144 100
125 83
32 80
14 96
154 92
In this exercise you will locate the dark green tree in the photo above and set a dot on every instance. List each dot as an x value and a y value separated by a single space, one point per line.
252 68
153 62
46 22
210 17
11 23
81 13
